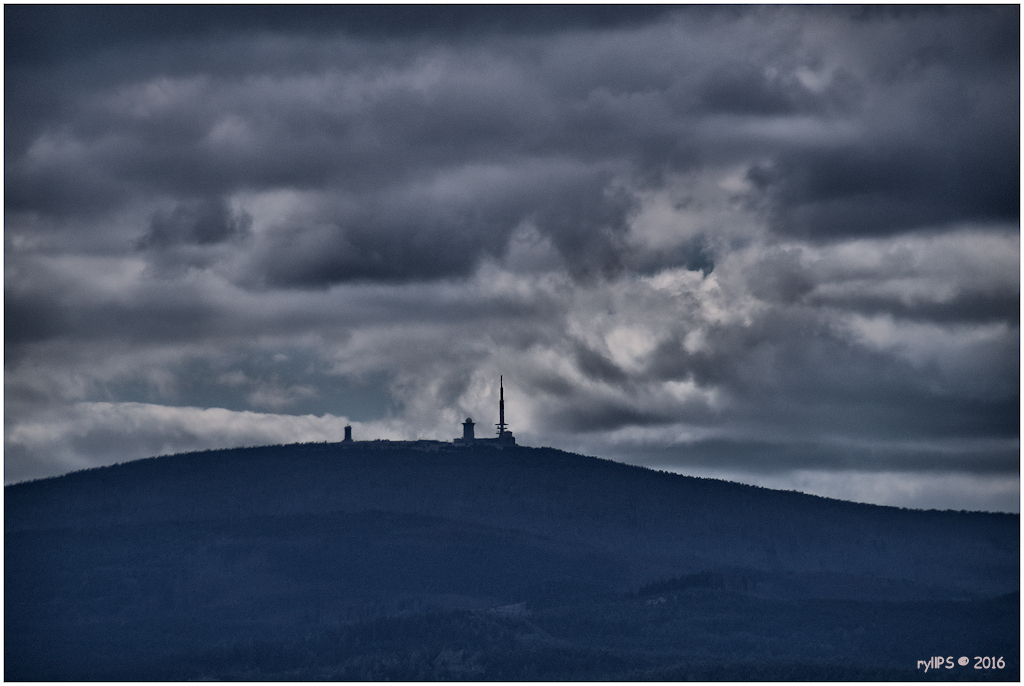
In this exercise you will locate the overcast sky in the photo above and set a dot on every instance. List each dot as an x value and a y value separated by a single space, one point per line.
777 245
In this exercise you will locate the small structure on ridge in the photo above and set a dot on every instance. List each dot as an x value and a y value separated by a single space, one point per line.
504 437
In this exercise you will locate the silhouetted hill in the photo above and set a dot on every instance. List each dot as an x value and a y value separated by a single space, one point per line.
374 560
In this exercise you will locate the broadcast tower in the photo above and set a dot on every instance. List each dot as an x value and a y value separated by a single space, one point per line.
504 435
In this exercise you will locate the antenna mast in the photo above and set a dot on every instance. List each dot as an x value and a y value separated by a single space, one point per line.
501 408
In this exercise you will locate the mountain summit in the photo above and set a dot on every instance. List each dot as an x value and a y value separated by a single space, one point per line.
430 560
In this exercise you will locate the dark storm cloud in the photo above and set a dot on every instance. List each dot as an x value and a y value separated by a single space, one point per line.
354 132
199 222
58 313
746 236
743 89
949 153
598 414
811 380
1000 460
442 229
595 365
861 191
967 306
56 32
172 137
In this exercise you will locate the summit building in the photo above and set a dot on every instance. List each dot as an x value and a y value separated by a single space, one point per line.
504 437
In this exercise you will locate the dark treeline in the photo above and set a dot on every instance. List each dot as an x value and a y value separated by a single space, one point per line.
377 561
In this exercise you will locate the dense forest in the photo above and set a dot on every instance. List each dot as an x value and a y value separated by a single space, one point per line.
425 561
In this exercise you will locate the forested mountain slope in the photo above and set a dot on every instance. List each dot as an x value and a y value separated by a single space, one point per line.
209 564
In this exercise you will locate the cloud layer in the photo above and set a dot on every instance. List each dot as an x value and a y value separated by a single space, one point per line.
763 241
